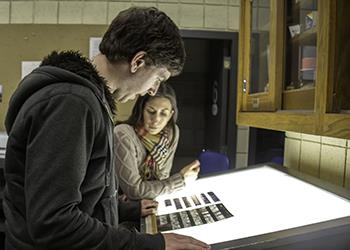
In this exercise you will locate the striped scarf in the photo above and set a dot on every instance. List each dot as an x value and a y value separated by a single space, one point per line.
157 147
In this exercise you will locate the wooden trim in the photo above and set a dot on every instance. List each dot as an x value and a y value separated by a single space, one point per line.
266 100
302 122
247 13
336 125
241 62
325 55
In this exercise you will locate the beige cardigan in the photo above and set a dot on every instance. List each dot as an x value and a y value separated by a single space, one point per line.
129 155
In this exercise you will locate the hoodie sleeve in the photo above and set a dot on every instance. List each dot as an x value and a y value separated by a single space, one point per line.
60 142
129 210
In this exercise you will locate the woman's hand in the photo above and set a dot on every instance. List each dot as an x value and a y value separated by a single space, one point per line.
148 207
190 171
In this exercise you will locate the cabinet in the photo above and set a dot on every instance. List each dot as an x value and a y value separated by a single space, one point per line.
294 66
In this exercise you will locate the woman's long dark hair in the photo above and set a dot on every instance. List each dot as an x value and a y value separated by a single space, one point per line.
165 91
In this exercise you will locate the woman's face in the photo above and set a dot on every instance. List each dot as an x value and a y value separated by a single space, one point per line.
156 114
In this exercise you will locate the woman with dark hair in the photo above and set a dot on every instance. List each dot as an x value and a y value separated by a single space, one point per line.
145 146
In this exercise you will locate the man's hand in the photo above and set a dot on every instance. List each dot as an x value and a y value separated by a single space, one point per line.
178 242
148 207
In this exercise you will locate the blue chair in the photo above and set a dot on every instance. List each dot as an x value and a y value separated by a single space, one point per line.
213 162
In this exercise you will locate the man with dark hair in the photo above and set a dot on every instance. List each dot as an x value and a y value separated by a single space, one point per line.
60 188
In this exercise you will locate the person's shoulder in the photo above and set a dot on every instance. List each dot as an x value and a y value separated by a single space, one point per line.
125 132
124 129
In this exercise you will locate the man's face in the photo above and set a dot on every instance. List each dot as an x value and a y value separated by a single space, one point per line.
145 80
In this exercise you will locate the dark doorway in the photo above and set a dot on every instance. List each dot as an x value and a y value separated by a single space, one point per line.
206 94
265 146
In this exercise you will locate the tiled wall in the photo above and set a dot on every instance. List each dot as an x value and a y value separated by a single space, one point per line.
323 157
242 146
191 14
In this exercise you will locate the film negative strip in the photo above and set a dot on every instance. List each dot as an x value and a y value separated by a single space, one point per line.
195 217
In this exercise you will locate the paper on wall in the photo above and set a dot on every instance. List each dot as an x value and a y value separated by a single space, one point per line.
94 43
28 67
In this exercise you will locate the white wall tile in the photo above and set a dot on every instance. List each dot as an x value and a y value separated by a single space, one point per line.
333 141
233 18
22 12
292 153
95 12
46 12
310 158
215 16
70 12
137 1
314 138
242 140
145 4
5 12
234 2
172 10
191 15
115 7
332 164
348 143
167 1
241 160
293 135
191 1
347 170
217 2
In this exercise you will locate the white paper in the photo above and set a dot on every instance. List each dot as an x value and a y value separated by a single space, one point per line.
3 142
28 67
294 30
94 43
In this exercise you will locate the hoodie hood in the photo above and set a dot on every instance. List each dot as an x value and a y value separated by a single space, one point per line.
67 66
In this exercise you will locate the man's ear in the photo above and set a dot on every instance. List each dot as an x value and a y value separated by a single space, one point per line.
138 61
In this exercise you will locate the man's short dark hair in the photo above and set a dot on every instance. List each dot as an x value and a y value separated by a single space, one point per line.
144 29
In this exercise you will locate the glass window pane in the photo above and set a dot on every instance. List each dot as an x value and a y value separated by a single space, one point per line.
301 41
259 46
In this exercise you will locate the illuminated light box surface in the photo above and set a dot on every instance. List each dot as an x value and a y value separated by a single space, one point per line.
262 200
